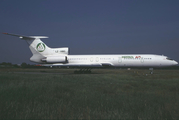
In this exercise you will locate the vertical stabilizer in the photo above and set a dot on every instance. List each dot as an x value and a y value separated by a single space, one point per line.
38 48
41 52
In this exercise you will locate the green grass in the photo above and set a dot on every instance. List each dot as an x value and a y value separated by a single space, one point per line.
106 94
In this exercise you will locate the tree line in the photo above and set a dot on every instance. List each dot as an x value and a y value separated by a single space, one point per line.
22 65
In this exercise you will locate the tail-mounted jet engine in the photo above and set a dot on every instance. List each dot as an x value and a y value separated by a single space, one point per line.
56 59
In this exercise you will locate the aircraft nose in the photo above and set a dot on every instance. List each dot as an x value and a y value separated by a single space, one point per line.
175 63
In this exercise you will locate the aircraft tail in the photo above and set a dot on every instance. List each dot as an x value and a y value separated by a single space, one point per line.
40 50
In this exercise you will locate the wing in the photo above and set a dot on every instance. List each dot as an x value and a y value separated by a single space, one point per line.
81 65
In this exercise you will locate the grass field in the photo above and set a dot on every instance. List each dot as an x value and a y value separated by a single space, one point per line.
105 94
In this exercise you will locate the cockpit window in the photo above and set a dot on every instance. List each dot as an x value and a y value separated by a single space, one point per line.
169 58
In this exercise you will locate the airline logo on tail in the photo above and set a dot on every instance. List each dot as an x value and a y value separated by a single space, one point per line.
40 47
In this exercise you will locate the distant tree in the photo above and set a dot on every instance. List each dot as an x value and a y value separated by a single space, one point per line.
24 65
16 66
6 64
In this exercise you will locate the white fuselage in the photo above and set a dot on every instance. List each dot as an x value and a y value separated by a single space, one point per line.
122 60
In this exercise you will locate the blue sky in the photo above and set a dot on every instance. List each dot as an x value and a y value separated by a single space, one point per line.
91 26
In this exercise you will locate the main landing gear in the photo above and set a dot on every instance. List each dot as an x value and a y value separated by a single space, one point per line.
83 71
151 70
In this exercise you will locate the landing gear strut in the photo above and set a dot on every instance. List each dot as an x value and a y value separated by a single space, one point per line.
151 70
83 71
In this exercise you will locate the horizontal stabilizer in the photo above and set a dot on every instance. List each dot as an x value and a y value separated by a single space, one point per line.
26 37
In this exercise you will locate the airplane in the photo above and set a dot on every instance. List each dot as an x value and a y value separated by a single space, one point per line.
60 57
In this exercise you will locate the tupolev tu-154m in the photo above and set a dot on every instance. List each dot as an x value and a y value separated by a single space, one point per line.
60 57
